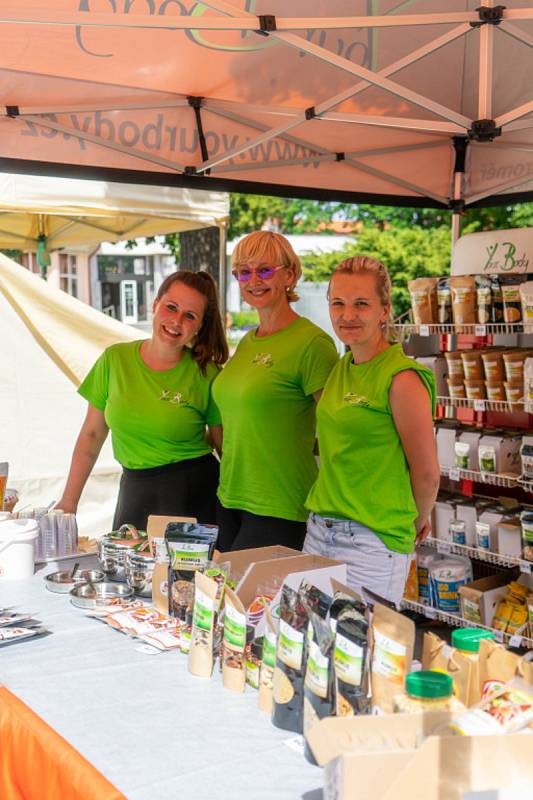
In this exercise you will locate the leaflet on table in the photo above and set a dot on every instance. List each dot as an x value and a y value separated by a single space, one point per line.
141 621
12 635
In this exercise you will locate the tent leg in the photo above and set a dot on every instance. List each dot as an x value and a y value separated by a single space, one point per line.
222 271
456 226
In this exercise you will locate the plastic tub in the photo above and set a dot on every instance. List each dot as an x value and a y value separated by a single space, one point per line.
17 548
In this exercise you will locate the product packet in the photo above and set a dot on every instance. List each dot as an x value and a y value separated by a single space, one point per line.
444 301
507 708
155 529
351 660
393 641
526 297
485 309
190 547
268 664
512 305
463 288
201 647
287 706
319 700
234 643
446 576
423 293
499 666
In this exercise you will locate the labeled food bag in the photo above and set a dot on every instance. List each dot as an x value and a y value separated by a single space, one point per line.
444 301
203 622
463 288
423 293
393 641
464 671
190 547
446 576
350 660
319 699
268 664
287 706
234 643
526 523
512 304
499 666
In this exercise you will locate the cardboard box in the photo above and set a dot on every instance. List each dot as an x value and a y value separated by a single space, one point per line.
443 514
446 446
479 599
240 560
437 364
509 538
402 757
507 452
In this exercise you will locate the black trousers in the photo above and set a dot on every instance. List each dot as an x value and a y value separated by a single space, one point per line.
185 489
241 530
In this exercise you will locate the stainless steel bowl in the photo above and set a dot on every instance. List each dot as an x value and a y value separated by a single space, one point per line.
99 594
112 556
63 582
139 569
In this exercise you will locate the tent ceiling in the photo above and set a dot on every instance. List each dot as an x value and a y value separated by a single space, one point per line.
70 212
358 99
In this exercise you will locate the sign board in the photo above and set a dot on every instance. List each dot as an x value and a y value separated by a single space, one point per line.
504 252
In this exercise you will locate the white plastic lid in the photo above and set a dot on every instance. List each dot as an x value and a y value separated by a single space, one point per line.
18 528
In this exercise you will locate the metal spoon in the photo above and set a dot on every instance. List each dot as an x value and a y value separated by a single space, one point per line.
74 569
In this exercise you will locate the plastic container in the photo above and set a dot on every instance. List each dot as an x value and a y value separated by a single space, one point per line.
426 690
17 548
467 639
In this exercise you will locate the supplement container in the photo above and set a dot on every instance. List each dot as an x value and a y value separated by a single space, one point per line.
426 690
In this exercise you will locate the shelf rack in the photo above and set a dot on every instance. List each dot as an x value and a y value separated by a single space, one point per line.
491 478
493 328
479 554
455 620
480 404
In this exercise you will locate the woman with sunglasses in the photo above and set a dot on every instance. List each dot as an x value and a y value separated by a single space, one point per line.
379 472
266 395
155 397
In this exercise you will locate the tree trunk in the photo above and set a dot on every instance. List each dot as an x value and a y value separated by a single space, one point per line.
200 249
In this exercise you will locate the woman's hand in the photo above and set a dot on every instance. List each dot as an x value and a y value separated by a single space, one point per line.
423 533
66 505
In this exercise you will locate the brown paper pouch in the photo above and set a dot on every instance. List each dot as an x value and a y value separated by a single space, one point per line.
233 660
393 640
423 293
268 664
463 289
201 648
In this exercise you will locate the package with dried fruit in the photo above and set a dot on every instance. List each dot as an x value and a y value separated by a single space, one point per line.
318 685
203 622
234 643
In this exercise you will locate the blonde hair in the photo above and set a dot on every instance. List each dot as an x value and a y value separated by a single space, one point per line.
274 248
370 266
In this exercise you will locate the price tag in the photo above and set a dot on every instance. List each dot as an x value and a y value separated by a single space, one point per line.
481 330
444 547
515 640
479 405
454 474
526 566
423 330
430 613
498 635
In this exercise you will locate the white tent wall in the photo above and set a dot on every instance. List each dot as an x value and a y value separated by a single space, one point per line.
414 102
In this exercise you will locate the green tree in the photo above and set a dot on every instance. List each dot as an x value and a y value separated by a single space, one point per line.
407 252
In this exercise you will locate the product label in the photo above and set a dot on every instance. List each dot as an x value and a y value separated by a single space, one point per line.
448 594
462 455
204 610
487 458
188 554
389 658
483 535
269 649
290 645
348 660
458 532
420 298
159 549
471 610
423 581
316 676
234 628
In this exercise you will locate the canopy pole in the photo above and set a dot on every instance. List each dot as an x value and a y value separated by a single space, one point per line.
222 271
460 144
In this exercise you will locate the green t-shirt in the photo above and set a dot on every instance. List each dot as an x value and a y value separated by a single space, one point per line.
265 396
364 475
155 418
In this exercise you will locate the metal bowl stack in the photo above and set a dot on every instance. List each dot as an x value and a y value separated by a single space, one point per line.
63 582
139 569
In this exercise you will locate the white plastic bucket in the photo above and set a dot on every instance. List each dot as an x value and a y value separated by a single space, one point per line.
17 548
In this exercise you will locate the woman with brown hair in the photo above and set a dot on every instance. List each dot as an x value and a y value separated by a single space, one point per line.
155 397
267 395
379 473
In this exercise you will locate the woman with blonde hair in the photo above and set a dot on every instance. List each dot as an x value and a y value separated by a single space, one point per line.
379 473
266 395
155 397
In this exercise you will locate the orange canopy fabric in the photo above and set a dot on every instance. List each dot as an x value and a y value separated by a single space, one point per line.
36 763
418 102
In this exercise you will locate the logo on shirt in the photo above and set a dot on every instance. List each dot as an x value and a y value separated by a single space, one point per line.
171 397
355 399
263 360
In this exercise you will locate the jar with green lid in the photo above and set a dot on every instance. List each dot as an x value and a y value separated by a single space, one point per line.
427 690
467 639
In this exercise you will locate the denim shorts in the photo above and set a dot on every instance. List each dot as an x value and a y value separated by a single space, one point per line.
369 562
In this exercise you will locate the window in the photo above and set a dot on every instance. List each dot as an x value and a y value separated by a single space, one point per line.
68 273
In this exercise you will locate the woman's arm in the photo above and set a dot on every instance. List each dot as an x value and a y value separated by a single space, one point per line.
411 411
215 437
86 450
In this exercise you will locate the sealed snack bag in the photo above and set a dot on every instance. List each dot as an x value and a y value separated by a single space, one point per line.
423 293
287 707
318 685
393 641
234 643
268 664
351 661
201 647
190 547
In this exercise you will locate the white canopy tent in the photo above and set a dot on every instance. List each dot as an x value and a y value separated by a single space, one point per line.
413 102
